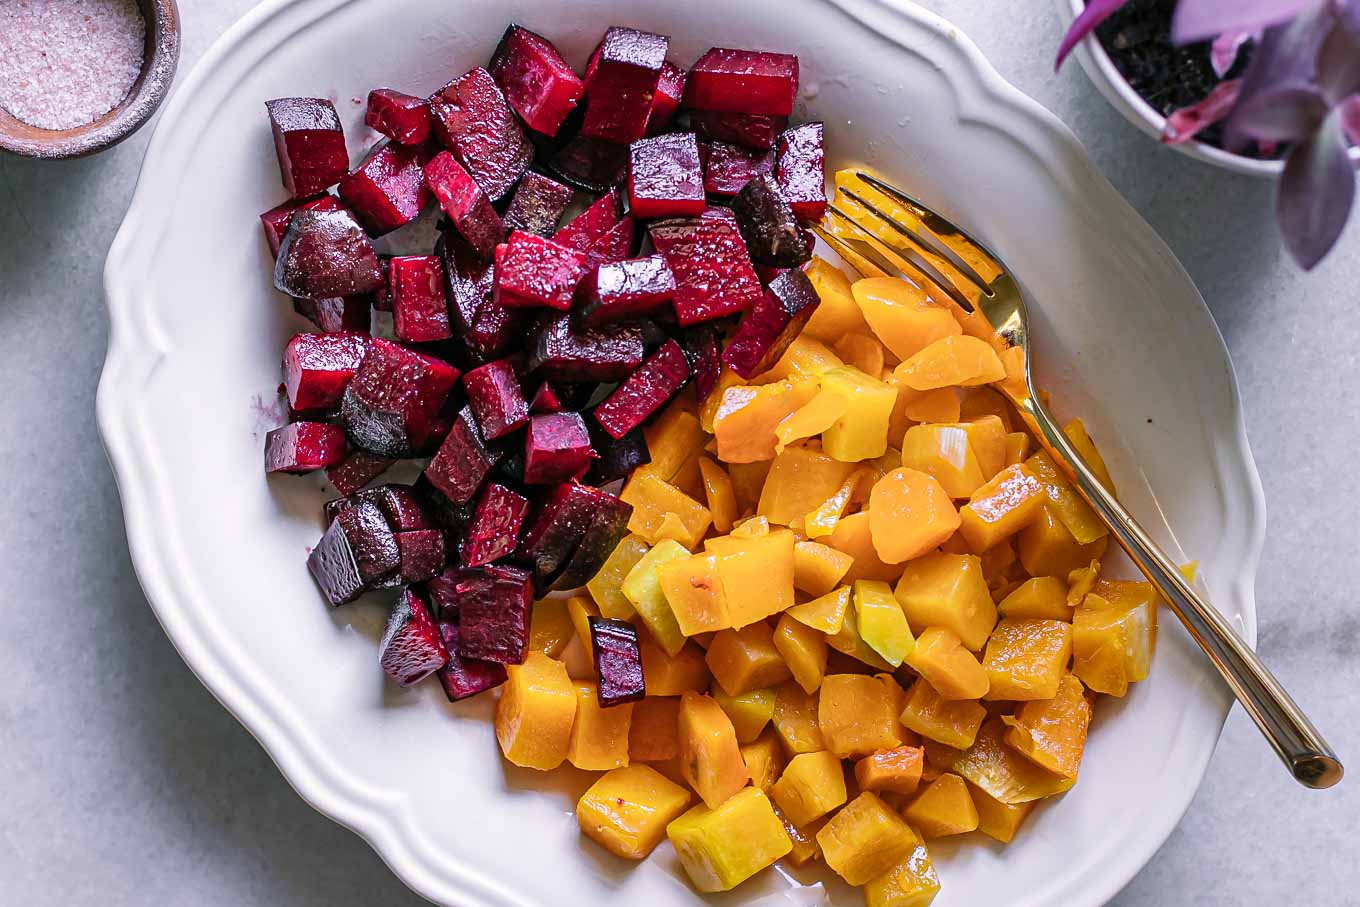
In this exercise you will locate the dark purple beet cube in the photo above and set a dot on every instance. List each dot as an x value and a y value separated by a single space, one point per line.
746 130
622 290
468 208
591 224
563 353
607 528
772 324
617 457
357 469
537 204
494 530
401 506
352 314
310 144
670 88
713 272
618 243
621 83
465 677
645 391
545 400
590 164
303 447
453 519
703 348
494 394
743 81
463 460
324 254
388 190
537 82
494 604
769 226
486 328
422 554
394 398
618 661
318 367
665 178
412 647
401 117
556 448
473 120
535 271
357 549
275 221
420 308
557 527
801 171
730 167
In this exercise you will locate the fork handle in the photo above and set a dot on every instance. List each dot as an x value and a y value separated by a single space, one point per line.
1310 759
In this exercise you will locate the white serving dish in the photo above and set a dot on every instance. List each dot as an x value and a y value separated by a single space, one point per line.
196 335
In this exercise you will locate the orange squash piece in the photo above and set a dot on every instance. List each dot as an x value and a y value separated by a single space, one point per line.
1002 772
854 536
818 568
1047 548
825 614
757 576
939 405
606 586
1041 598
897 770
1076 433
803 650
799 481
865 839
811 786
654 499
909 514
627 810
550 627
654 733
806 357
1051 733
599 738
750 712
795 720
718 492
941 659
901 315
672 438
764 759
860 351
944 808
1068 506
858 714
998 820
979 402
958 361
745 421
722 846
1017 447
746 659
1025 659
987 438
1001 508
671 675
948 590
710 756
944 452
953 723
838 314
913 882
694 589
536 712
805 846
811 419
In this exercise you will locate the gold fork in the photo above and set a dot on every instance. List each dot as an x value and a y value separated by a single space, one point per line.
881 230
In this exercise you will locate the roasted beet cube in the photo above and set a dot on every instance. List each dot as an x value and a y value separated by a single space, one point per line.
275 221
535 271
494 394
318 367
665 178
768 225
713 272
357 469
358 548
557 527
591 224
545 400
772 324
537 204
621 83
742 129
412 647
563 353
422 554
472 119
621 290
590 164
309 142
401 117
463 460
465 203
303 447
670 88
420 308
618 243
618 661
494 530
607 528
494 604
556 448
743 81
537 82
703 349
486 328
324 254
730 167
400 505
388 189
801 171
617 457
453 519
464 677
391 403
351 314
645 391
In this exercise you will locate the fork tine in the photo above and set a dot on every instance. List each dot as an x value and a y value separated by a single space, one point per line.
900 259
936 223
852 256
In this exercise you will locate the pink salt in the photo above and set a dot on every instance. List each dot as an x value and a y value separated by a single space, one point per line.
65 63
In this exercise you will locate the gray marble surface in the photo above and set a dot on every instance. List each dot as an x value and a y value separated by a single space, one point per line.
126 783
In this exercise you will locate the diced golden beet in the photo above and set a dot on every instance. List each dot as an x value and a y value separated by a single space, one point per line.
811 786
1112 645
746 659
1000 565
757 577
690 481
948 590
800 479
1068 506
849 642
803 650
1051 733
901 315
1002 772
958 361
627 810
764 760
939 405
939 758
1017 448
671 675
1076 433
653 499
881 623
606 587
943 452
858 714
1039 598
996 819
724 845
750 712
913 882
860 351
708 410
805 357
805 846
817 568
550 627
1047 548
897 769
944 808
1141 597
694 591
642 589
1082 581
815 417
1001 508
1025 659
599 738
746 418
909 514
946 665
750 528
672 438
865 839
825 614
951 722
987 437
979 402
838 314
862 432
795 719
710 756
653 735
853 535
535 714
722 500
581 609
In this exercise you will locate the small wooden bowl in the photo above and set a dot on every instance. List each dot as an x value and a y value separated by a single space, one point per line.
160 58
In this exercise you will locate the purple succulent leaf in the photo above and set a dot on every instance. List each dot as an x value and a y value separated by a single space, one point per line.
1184 124
1349 112
1315 193
1338 63
1201 20
1227 47
1286 55
1096 12
1290 113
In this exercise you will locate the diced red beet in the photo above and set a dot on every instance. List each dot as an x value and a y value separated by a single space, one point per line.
303 447
468 208
768 225
743 81
486 328
392 401
494 394
420 308
621 83
665 178
713 272
353 314
556 448
453 519
703 349
401 117
670 88
801 171
412 647
388 190
545 400
358 548
607 528
401 506
537 82
618 661
617 456
537 204
731 167
557 527
324 254
535 271
618 243
562 353
622 290
591 224
422 554
772 324
275 221
590 164
767 273
494 530
357 469
472 119
310 144
645 391
746 130
494 604
318 367
465 677
463 460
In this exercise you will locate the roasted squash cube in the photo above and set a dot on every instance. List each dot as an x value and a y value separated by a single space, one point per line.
1017 448
627 810
944 808
811 786
1112 645
951 722
722 499
987 439
825 614
897 770
550 627
1001 508
811 419
749 712
946 665
818 568
695 593
746 417
581 609
1025 659
861 433
1142 599
672 438
800 479
858 714
764 759
806 357
536 712
710 757
653 499
958 361
909 514
795 720
599 738
854 536
849 642
724 845
671 675
901 315
803 650
757 577
996 819
944 453
838 313
746 659
948 590
805 846
913 882
881 623
865 839
862 352
654 732
1068 506
606 586
1047 549
1051 733
1039 598
642 589
1002 772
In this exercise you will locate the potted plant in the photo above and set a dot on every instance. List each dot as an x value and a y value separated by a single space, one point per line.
1266 87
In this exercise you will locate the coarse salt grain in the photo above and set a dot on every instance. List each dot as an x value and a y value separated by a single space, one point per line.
65 63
